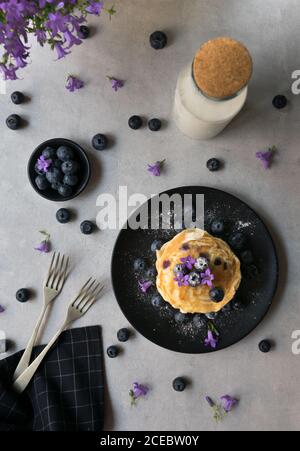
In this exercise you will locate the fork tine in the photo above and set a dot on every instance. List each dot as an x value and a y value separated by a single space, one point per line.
82 292
50 268
87 296
54 272
58 273
62 273
91 299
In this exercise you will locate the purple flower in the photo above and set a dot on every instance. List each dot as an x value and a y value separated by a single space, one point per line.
45 246
155 169
95 8
2 309
185 247
211 340
228 403
145 286
207 278
166 264
210 401
188 262
138 391
116 84
266 157
43 164
182 280
74 83
61 52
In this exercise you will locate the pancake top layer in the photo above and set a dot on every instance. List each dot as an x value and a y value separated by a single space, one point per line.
222 67
223 264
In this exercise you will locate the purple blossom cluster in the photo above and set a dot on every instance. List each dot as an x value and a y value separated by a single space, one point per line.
189 275
53 22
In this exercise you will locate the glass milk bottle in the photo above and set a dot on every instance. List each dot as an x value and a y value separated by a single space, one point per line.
211 92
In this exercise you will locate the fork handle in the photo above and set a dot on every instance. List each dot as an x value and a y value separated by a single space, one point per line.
25 359
21 383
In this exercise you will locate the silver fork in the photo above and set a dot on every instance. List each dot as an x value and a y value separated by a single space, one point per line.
53 286
79 307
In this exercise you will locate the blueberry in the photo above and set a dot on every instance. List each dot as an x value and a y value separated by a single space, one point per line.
218 262
84 32
158 40
42 183
213 165
154 125
265 346
55 186
65 191
56 163
54 175
279 102
151 273
17 97
181 318
135 122
247 257
87 227
139 265
123 335
100 142
38 171
216 294
237 305
64 153
211 316
251 272
70 167
237 241
63 215
49 153
169 310
199 321
179 384
217 227
112 352
13 122
156 245
157 301
23 295
71 179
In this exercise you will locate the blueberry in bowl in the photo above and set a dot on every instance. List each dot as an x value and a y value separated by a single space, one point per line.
59 170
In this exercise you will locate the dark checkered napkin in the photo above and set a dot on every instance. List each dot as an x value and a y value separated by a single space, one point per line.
66 393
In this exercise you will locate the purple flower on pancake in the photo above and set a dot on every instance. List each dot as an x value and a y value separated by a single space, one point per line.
207 278
211 340
182 279
266 157
166 264
43 164
145 286
228 403
138 391
188 262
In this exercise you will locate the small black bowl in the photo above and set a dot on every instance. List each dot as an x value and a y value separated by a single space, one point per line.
81 157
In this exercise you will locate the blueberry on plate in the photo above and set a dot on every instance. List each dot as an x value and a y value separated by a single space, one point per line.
199 321
217 294
54 175
179 384
84 32
65 190
211 316
217 227
213 165
112 352
169 310
17 97
63 215
64 153
23 295
247 257
158 40
237 240
150 273
157 301
14 121
156 245
251 272
123 335
139 265
135 122
87 227
100 142
279 102
71 179
154 125
265 346
181 318
70 167
49 153
42 183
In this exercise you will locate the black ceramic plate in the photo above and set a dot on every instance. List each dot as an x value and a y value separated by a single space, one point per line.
255 293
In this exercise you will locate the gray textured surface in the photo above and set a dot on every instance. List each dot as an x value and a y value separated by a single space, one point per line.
266 384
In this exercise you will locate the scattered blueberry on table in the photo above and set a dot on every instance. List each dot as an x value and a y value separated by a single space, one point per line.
17 97
158 40
87 227
265 346
112 352
123 335
135 122
179 384
100 142
63 216
279 102
213 165
23 295
84 32
14 122
154 124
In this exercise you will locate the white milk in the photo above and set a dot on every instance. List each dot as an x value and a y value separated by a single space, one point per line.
200 117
